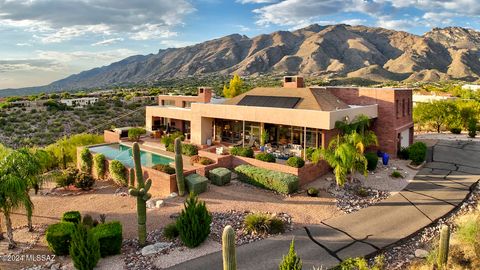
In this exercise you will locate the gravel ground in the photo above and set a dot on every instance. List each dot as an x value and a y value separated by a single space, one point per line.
445 136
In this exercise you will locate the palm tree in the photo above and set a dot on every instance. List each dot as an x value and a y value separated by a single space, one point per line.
19 173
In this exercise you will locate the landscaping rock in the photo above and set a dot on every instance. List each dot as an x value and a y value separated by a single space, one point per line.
421 253
155 248
172 195
159 203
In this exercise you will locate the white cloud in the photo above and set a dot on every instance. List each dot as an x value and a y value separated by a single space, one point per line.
107 42
354 21
55 21
401 24
176 43
255 1
24 44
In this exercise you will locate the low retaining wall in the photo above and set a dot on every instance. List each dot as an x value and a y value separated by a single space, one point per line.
111 136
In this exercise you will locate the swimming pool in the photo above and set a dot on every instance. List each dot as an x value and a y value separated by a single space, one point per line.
123 154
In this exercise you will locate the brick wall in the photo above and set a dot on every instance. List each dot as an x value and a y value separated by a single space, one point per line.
111 136
394 112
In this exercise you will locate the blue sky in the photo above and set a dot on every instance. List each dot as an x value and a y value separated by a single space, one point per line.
46 40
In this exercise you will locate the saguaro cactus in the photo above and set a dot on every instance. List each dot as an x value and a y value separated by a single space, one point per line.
443 247
141 192
228 249
179 167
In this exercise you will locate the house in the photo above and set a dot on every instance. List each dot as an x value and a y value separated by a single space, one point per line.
293 115
424 98
473 87
79 102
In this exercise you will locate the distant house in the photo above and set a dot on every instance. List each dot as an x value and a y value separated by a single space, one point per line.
79 102
473 87
144 99
424 98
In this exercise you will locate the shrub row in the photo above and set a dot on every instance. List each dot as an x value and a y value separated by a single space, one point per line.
201 160
296 162
164 168
74 177
118 171
242 151
267 157
273 180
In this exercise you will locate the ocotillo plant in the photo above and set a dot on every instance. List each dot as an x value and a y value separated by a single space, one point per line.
141 192
443 247
228 249
179 167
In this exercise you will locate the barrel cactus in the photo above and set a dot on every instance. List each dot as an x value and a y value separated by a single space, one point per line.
179 167
228 249
443 247
141 192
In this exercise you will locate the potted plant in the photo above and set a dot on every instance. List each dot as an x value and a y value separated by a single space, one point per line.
263 139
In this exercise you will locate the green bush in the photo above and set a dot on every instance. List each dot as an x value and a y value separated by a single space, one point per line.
171 231
118 172
84 248
312 192
259 223
110 238
455 130
66 178
194 222
296 162
72 216
220 176
372 161
417 152
267 157
65 150
396 174
403 153
309 153
84 181
273 180
58 237
189 149
86 161
242 151
164 168
99 164
88 221
472 128
170 139
291 261
134 134
205 161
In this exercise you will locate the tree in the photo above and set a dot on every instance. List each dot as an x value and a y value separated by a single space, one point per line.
84 248
19 172
291 261
235 87
436 113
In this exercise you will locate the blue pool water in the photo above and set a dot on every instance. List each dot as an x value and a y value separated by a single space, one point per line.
123 154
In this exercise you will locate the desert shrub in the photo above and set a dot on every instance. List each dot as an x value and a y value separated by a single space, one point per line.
164 168
205 161
242 151
372 161
189 149
403 153
296 162
171 231
396 174
110 238
455 130
58 237
86 161
417 152
84 181
260 223
66 178
99 165
84 248
361 264
194 222
312 192
118 172
361 191
273 180
72 216
267 157
170 139
291 261
472 128
194 159
171 148
134 134
309 153
468 229
65 150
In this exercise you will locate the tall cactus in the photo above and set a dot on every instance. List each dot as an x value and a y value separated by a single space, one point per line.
443 247
228 249
141 192
179 167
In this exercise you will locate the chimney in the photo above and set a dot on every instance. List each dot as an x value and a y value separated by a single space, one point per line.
205 94
293 82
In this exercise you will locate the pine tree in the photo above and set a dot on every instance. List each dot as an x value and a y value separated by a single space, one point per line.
84 249
291 261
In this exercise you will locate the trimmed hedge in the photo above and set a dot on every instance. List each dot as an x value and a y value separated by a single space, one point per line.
220 176
99 165
109 236
189 149
278 181
164 168
372 161
196 183
296 162
267 157
72 216
417 152
86 161
118 172
59 236
242 151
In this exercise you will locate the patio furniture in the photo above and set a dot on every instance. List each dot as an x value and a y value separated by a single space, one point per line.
220 150
196 183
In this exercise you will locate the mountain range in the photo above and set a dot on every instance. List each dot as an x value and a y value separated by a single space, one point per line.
319 51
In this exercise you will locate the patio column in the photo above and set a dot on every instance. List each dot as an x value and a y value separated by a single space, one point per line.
305 143
243 133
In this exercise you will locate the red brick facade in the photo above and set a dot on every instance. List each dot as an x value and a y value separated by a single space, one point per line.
394 112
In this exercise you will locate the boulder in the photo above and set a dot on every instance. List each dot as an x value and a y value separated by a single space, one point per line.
155 248
421 253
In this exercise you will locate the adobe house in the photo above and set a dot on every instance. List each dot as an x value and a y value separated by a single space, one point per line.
292 114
